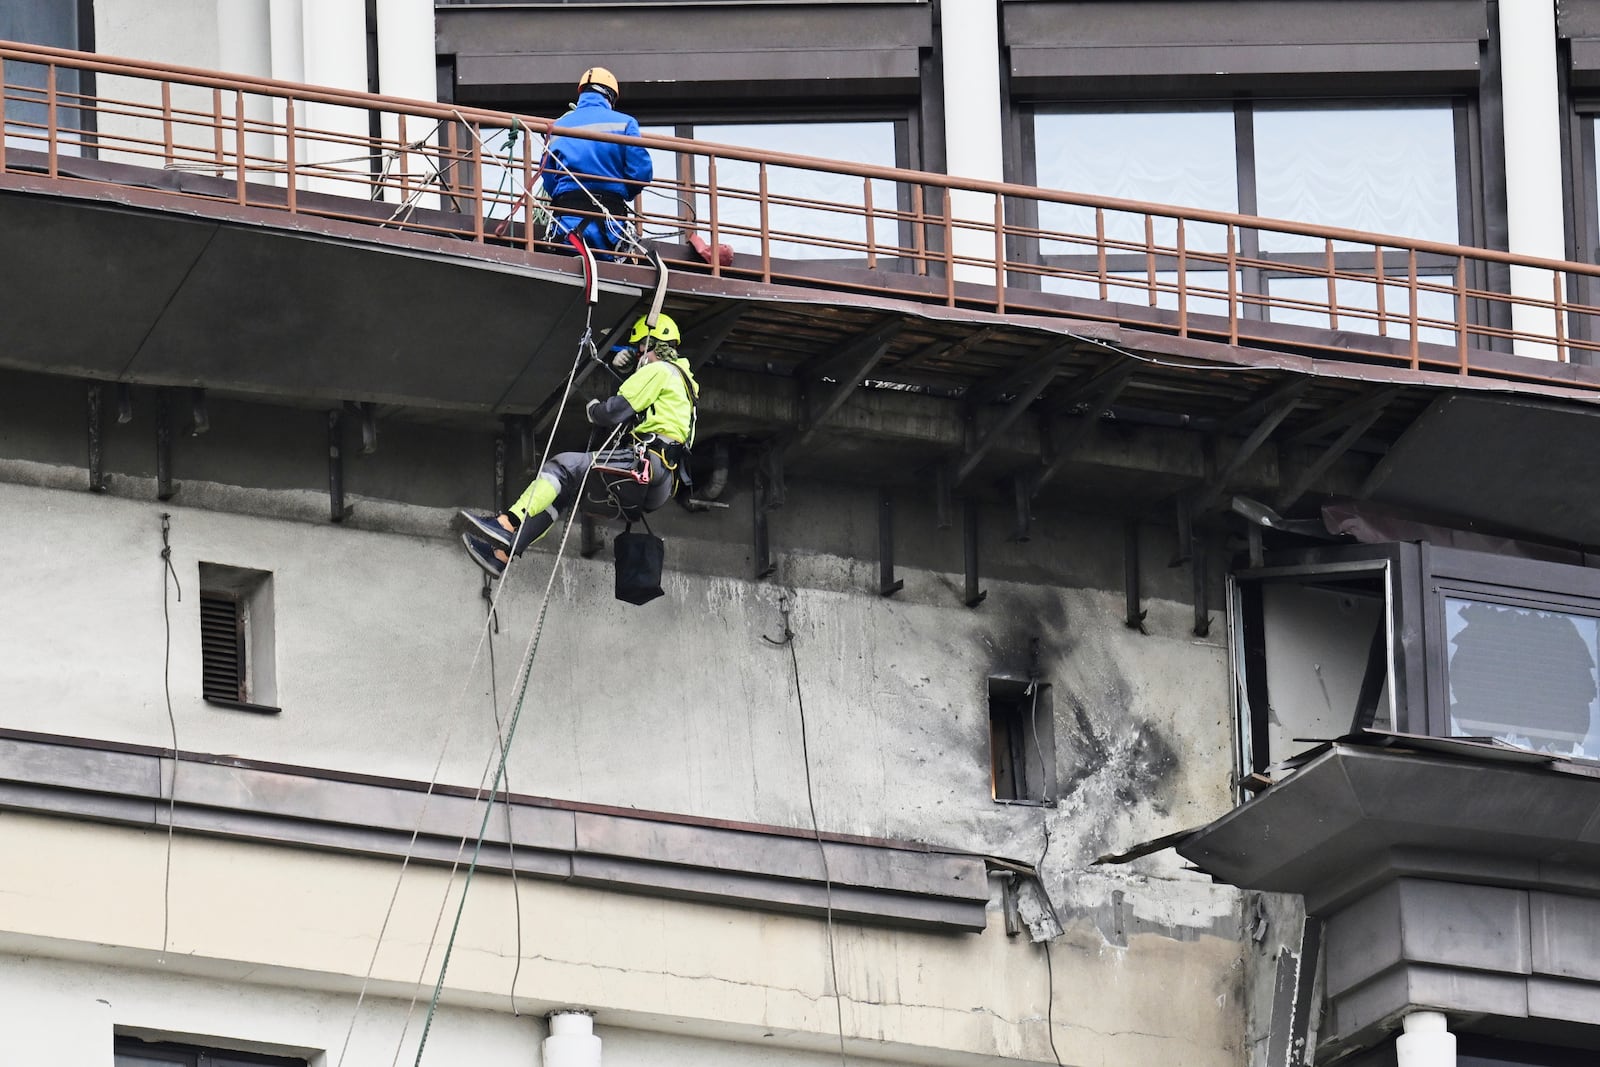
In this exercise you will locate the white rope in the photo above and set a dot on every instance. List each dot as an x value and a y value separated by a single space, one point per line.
585 343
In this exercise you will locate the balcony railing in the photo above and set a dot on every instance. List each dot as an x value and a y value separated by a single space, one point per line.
464 173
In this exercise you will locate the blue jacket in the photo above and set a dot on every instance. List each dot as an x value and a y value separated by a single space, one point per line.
622 170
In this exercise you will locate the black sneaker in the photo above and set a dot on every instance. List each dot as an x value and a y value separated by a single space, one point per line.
483 552
483 527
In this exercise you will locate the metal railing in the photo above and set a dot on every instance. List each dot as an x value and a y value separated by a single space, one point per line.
465 173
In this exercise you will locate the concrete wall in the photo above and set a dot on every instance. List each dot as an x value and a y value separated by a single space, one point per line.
680 706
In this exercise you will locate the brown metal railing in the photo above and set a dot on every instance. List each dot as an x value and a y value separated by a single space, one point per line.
462 172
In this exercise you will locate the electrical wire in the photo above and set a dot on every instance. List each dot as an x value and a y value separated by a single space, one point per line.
1044 822
816 829
167 570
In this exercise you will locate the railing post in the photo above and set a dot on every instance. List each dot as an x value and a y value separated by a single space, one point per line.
1411 285
291 150
1461 313
527 188
405 161
51 138
1100 252
1333 285
1183 281
241 193
716 222
218 154
1382 305
166 122
919 229
2 115
999 253
478 192
1233 284
1150 257
1557 282
872 224
766 222
949 249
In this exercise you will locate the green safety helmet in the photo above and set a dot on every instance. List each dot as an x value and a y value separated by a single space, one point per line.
664 330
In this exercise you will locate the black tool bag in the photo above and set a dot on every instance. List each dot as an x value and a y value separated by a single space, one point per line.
639 560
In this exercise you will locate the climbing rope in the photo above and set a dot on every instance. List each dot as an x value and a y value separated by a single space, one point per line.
585 351
168 571
525 673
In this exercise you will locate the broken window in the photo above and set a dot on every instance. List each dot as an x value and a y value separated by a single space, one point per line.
1022 741
236 642
1313 655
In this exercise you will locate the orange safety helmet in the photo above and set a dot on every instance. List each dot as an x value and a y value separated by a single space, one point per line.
601 77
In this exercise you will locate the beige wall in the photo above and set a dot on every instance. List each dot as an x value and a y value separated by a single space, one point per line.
282 917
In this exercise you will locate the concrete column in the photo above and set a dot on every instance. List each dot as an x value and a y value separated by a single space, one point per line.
406 68
572 1041
1427 1042
1534 202
969 42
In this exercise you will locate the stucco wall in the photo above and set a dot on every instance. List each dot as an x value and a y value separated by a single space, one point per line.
680 706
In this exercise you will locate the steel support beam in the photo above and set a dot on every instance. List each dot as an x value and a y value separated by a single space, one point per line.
338 511
888 584
165 489
1086 386
1111 383
705 335
1252 413
1134 619
847 369
1043 371
1290 496
1372 403
1020 378
1287 399
946 350
759 509
973 596
97 422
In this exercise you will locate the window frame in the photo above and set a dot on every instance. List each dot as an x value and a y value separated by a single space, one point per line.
188 1055
1420 577
1471 225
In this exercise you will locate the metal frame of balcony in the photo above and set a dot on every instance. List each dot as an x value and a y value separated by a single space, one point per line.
933 238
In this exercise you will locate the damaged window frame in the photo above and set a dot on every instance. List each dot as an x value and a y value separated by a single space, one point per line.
1021 727
1417 579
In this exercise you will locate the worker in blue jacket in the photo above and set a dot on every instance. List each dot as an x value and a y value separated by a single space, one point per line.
597 178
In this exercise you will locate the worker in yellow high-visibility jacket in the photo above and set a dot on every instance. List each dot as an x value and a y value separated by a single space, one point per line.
659 398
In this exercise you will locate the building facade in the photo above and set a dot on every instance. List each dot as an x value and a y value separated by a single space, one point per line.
980 591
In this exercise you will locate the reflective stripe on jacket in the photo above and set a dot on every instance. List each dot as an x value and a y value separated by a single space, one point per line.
603 167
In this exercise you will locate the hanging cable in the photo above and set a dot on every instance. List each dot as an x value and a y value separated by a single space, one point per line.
525 672
585 350
167 570
511 846
811 802
1044 823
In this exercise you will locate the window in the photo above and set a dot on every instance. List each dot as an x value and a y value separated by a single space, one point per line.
59 24
791 226
1022 741
1417 638
236 646
1388 167
1313 656
134 1052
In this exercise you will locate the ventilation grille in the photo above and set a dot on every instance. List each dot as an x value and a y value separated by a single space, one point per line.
222 648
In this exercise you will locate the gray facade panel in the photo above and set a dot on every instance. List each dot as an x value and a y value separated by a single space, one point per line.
1467 926
1363 940
1565 935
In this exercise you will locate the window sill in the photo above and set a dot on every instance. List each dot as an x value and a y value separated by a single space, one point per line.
1050 803
239 705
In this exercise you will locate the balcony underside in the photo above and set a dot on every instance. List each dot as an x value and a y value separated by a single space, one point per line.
132 285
